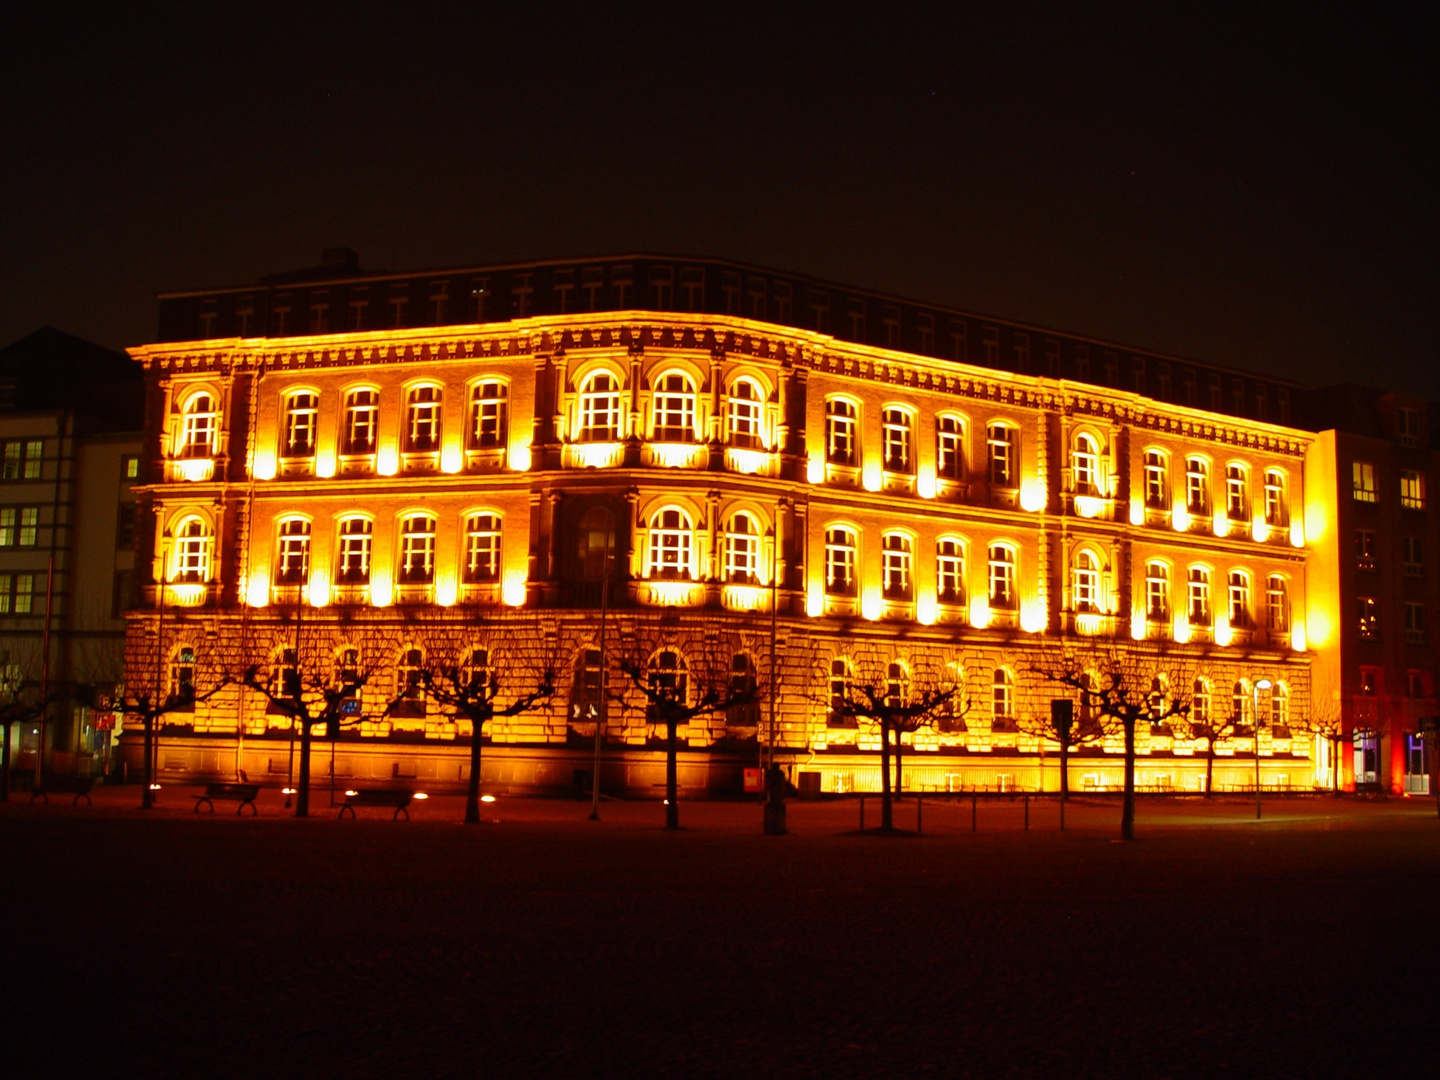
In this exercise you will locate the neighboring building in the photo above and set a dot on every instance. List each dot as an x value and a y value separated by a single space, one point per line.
1380 560
457 486
70 420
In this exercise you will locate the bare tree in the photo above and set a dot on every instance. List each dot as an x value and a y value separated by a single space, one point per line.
1208 720
1119 685
895 698
681 680
1325 719
1065 729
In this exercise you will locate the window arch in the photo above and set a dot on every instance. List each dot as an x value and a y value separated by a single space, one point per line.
950 447
353 561
1157 479
1157 590
1277 504
1085 581
841 431
840 558
1237 491
1001 445
417 549
1240 702
191 561
1200 702
1277 603
673 409
840 677
671 543
1002 576
1239 596
898 426
489 414
1197 486
362 421
1085 463
199 424
482 547
898 554
599 408
302 408
292 556
477 673
1280 705
742 550
422 410
1002 698
950 570
744 414
1199 595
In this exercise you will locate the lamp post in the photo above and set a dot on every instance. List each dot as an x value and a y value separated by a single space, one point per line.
1260 684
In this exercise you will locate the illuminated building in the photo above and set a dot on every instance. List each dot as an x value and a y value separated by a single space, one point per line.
444 453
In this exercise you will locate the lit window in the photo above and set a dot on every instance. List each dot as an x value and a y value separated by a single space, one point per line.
417 549
1280 705
742 551
1199 596
674 409
839 432
192 552
1157 591
1157 475
197 428
300 415
1276 508
840 562
1197 485
670 541
1277 603
1237 497
950 571
896 565
1000 443
292 560
950 449
1200 702
19 526
354 560
482 548
1412 489
17 594
424 419
130 467
1002 699
1363 481
839 693
1085 582
488 415
1002 576
600 409
744 415
1368 616
1239 590
1085 465
897 432
362 410
1240 705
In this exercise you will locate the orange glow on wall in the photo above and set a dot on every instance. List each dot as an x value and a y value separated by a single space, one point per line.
446 590
319 588
870 475
325 463
1223 633
979 612
513 591
1032 495
518 456
871 605
257 588
815 600
926 609
1181 628
1137 512
1088 506
1180 517
264 466
815 469
925 482
1297 534
452 460
382 593
387 461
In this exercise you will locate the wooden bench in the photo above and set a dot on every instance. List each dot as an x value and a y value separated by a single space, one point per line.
65 784
399 798
244 794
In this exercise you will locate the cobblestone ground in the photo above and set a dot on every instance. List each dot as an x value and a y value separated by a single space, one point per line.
171 944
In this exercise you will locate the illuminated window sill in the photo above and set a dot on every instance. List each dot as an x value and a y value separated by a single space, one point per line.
676 455
594 455
672 593
357 465
192 470
292 467
749 462
414 592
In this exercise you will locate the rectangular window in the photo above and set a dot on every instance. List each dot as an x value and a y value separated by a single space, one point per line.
1412 489
125 523
17 594
1413 548
897 440
1414 623
1237 498
949 449
22 459
1363 481
840 562
1199 596
839 432
1407 427
19 526
1367 610
1197 486
895 567
487 415
1157 592
300 417
1277 604
1366 548
482 548
130 467
1156 477
1000 441
950 572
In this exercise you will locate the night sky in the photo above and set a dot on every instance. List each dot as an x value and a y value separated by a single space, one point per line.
1255 188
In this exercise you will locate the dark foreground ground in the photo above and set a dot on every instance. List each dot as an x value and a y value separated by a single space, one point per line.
167 944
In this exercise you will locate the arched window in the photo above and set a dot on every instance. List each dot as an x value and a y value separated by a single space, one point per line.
1157 591
1085 582
1237 492
1002 576
840 425
897 685
1000 442
1199 596
301 410
585 685
897 556
840 561
1277 603
1280 705
482 548
744 414
423 415
477 678
840 715
950 570
897 442
199 421
192 551
1085 464
674 409
292 559
1197 486
362 419
742 550
1239 598
182 678
1089 700
950 448
409 684
600 408
1157 479
669 679
671 538
353 563
488 414
417 549
1240 703
1200 703
1002 699
1158 698
1277 509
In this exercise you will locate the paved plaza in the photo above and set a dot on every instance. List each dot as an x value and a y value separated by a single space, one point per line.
542 944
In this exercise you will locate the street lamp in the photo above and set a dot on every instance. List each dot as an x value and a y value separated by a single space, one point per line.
1260 684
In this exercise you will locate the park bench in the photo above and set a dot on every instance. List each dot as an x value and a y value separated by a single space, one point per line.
244 794
64 784
399 798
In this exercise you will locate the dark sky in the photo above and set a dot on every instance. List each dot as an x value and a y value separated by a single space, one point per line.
1255 188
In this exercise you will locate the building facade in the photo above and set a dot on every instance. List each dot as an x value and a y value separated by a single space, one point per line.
746 499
